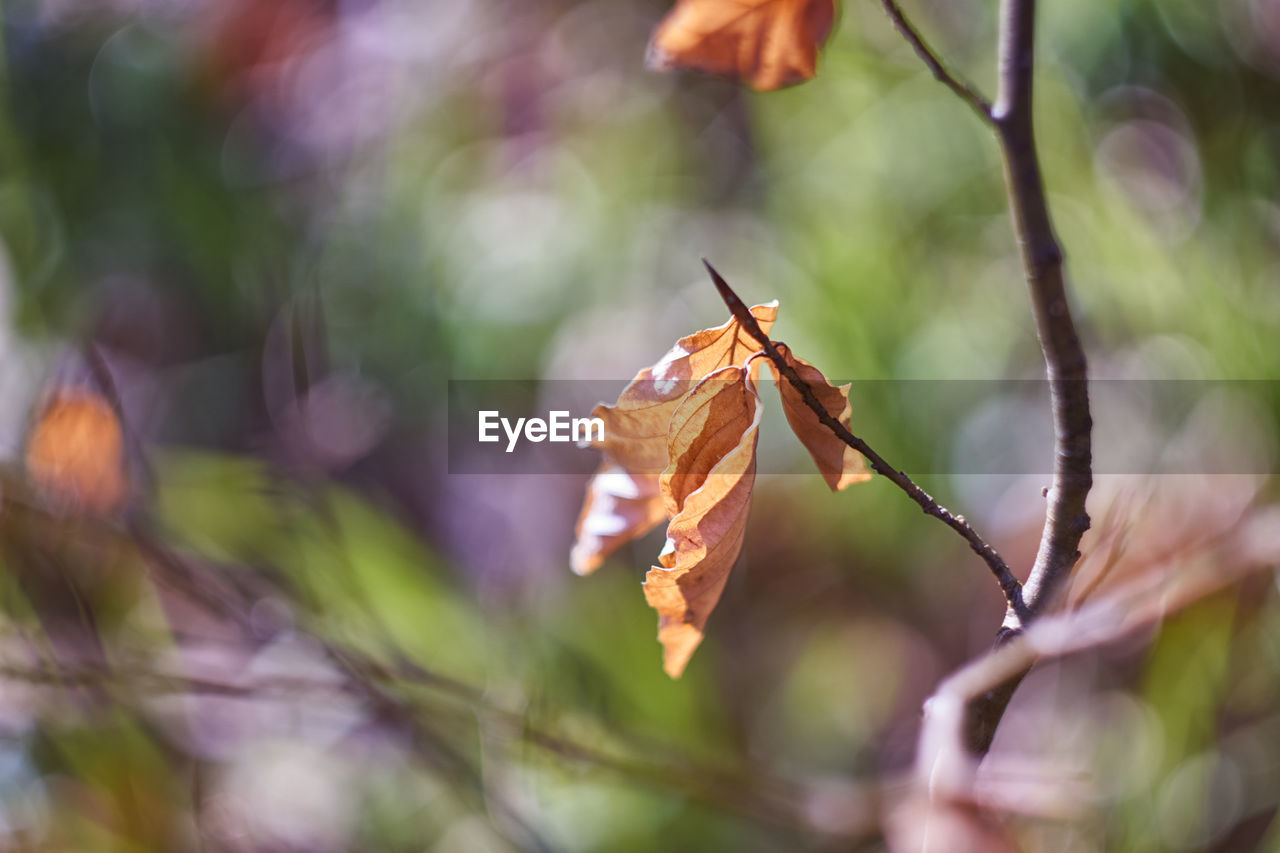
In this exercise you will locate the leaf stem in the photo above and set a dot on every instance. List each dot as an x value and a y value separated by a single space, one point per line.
965 91
1009 584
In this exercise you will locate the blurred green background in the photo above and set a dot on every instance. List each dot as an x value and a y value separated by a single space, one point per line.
285 226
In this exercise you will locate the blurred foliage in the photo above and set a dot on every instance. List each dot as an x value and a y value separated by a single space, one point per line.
287 230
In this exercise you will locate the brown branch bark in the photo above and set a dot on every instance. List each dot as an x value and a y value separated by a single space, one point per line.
1066 519
1009 584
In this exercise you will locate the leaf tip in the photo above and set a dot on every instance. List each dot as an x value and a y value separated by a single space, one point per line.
855 471
656 58
736 306
582 562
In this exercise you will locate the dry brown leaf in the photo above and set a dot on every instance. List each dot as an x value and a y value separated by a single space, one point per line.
707 489
635 427
75 453
619 507
767 44
840 464
623 501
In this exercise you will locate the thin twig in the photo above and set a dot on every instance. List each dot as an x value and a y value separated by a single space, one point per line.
965 91
1008 583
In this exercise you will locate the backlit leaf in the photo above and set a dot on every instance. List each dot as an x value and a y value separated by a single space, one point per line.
707 489
767 44
635 427
680 443
619 507
840 464
623 501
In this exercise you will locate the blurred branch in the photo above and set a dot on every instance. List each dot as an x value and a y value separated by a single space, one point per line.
767 800
429 746
1009 584
965 91
947 765
155 682
378 684
227 593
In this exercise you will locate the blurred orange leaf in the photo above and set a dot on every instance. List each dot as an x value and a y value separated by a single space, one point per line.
840 464
707 490
75 453
767 44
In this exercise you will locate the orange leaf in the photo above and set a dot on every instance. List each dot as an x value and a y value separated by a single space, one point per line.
623 501
619 507
840 464
75 453
635 428
768 44
707 489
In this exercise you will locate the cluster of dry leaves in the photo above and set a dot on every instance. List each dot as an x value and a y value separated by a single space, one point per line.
680 445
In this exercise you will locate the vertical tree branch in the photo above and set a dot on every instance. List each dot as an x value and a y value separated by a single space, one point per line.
1065 517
